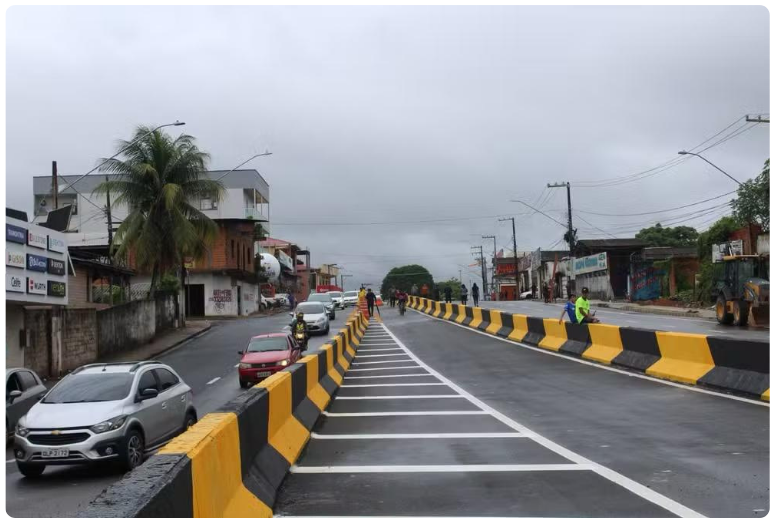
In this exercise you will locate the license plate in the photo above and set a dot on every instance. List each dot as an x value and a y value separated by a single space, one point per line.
263 374
55 453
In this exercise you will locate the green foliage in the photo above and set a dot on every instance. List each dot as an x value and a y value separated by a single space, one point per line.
753 200
169 283
709 272
259 269
161 180
717 233
658 236
453 284
404 277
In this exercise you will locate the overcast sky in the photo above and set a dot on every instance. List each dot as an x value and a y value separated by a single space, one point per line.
406 114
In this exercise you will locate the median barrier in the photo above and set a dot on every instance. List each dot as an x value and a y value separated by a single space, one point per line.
449 310
232 462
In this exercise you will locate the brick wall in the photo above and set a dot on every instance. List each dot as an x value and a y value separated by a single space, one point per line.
232 248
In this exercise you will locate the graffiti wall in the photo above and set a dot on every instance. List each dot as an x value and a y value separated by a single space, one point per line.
646 282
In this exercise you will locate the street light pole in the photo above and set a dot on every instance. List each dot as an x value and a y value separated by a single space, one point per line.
267 153
130 144
713 164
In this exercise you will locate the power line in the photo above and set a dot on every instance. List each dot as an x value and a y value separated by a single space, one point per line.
660 211
433 220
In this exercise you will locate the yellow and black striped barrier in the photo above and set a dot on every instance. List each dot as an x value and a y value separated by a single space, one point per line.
737 366
231 463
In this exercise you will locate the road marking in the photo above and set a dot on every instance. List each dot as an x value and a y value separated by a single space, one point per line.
387 376
237 365
385 368
375 344
379 362
623 481
410 396
10 461
601 366
406 413
381 355
438 468
448 435
213 380
393 385
375 350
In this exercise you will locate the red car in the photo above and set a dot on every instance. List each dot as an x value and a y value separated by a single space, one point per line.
265 355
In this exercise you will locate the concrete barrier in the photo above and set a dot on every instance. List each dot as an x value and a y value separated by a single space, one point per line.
231 463
740 367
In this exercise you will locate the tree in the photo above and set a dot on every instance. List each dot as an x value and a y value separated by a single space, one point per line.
658 236
156 178
717 233
453 284
404 277
752 204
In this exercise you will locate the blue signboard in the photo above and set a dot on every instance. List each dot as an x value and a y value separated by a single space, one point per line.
15 234
37 263
646 282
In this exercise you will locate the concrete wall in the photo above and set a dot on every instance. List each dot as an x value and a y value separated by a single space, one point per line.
221 294
79 338
598 283
14 323
126 326
36 355
60 343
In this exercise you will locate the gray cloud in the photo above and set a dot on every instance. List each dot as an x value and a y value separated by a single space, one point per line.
399 114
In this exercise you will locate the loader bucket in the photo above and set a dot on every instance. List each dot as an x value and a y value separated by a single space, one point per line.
760 315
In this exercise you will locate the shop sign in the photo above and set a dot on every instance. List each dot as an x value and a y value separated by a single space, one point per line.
15 259
504 268
35 286
56 267
37 263
36 240
14 283
596 262
57 289
56 245
285 260
15 234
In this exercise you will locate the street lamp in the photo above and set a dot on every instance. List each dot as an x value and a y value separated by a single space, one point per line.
711 163
267 153
130 144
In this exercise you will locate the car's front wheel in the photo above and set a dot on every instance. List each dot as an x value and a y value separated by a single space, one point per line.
189 421
328 329
30 470
133 450
244 384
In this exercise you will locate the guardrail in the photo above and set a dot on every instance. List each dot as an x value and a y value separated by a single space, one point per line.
737 366
231 463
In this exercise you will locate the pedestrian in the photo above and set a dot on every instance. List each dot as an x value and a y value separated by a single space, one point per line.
371 298
436 293
413 290
448 294
463 294
475 294
582 308
533 290
545 289
569 309
392 296
291 300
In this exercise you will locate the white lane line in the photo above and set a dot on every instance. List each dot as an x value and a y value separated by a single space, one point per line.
623 481
237 365
380 362
213 380
382 355
375 350
374 344
405 413
410 396
387 376
448 435
384 368
10 461
606 367
376 336
439 468
391 385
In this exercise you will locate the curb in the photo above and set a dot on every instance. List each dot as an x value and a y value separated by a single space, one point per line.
641 310
178 343
731 366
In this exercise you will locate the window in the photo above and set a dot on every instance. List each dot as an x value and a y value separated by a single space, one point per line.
147 381
247 257
232 249
27 379
166 378
12 384
91 387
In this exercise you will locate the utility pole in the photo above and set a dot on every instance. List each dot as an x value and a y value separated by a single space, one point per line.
494 255
571 232
516 263
483 264
55 184
110 239
343 276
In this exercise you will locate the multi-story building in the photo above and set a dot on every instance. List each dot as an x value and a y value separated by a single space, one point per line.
221 283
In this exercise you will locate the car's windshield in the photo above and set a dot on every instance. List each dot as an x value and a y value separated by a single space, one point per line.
351 294
86 388
268 344
335 294
320 297
310 308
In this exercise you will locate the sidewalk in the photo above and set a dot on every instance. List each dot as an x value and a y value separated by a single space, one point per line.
162 343
656 309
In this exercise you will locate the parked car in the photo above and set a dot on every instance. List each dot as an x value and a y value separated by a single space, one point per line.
265 355
104 412
350 298
23 389
327 302
282 298
316 316
338 298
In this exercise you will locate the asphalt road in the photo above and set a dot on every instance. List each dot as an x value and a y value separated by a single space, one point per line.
206 364
634 319
506 430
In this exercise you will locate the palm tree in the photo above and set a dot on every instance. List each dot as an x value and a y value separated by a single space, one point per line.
156 178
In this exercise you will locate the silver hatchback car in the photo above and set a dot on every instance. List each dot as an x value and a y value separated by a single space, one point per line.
114 412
